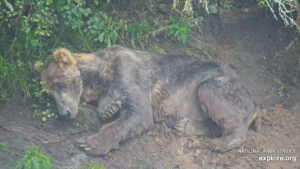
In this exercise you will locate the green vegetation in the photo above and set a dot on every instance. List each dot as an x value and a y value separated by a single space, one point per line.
34 158
49 111
92 165
283 94
228 5
3 145
180 30
102 30
135 30
85 117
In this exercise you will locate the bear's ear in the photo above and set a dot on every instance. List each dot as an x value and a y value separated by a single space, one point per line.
64 58
37 65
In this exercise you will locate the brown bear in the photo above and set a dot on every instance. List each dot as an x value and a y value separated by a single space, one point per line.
143 89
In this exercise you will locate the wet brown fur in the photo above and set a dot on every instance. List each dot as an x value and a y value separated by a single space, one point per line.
152 88
64 58
84 57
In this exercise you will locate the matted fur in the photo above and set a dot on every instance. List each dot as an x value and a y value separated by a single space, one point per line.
143 88
64 58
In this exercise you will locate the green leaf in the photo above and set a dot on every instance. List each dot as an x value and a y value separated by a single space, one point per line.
184 38
9 6
114 36
108 43
144 22
95 26
101 37
93 32
42 33
104 16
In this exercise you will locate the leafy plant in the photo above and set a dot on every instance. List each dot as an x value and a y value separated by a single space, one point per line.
96 166
180 30
14 77
31 43
263 4
102 30
8 5
33 158
136 30
228 5
50 111
92 165
283 94
85 118
73 13
3 145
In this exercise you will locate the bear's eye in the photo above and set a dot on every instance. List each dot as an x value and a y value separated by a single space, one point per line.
59 86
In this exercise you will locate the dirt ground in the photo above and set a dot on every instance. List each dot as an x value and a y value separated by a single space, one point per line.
253 45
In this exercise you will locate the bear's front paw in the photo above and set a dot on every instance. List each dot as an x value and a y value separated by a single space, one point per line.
97 145
109 107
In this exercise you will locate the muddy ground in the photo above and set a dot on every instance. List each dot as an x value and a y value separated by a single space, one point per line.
253 45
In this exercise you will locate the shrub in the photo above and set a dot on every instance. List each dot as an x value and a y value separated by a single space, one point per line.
180 30
102 30
34 158
136 30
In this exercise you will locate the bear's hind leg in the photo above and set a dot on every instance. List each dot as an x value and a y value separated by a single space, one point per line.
229 104
229 141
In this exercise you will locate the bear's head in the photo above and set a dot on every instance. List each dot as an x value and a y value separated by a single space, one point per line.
60 75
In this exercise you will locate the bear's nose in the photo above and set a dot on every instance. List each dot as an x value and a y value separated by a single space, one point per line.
66 114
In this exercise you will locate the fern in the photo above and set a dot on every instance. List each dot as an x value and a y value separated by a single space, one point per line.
34 158
180 30
96 166
135 30
102 30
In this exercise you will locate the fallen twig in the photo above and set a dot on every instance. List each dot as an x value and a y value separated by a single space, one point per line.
10 128
76 132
